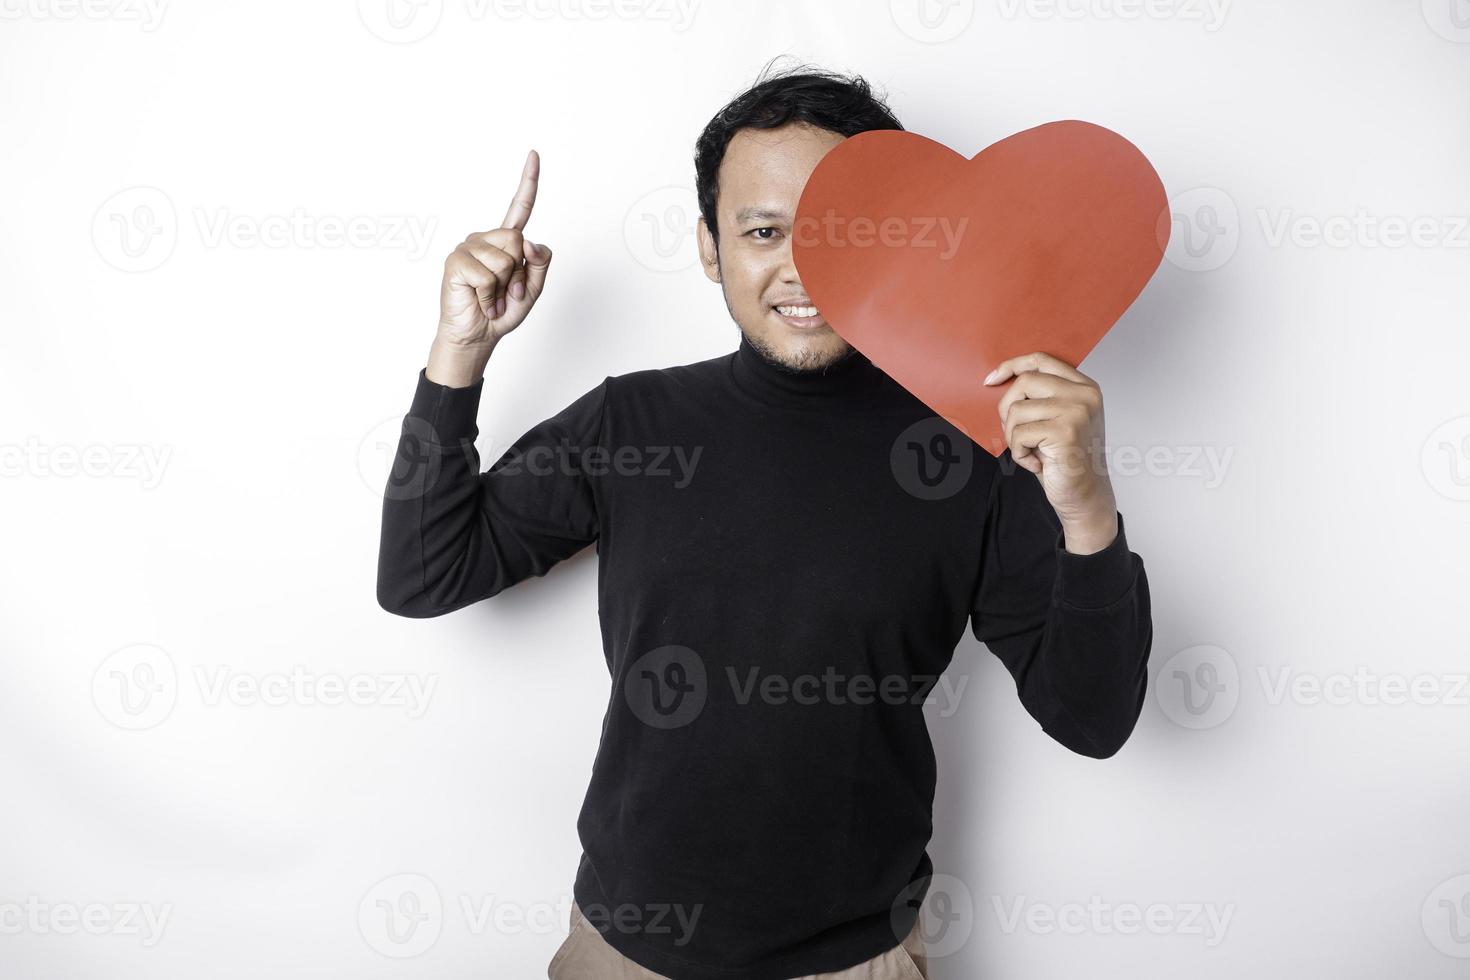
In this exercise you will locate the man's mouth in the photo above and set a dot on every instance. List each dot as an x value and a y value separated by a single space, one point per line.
801 316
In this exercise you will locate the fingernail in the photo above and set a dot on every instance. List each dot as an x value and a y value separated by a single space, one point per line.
518 289
991 376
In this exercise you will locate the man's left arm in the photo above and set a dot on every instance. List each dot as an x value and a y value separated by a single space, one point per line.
1062 601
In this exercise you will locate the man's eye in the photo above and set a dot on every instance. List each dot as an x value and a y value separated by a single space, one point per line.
757 231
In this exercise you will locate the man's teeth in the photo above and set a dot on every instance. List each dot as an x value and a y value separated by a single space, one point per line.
797 310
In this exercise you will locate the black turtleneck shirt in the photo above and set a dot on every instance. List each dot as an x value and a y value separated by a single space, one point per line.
785 566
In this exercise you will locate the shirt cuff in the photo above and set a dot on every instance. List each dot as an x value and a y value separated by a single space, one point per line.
1098 580
450 412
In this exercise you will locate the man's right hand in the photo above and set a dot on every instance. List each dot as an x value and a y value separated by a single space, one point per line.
491 281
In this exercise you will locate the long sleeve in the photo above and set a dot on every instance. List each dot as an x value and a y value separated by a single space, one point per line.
452 535
1073 630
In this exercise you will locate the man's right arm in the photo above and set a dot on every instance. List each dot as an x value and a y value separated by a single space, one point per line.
450 534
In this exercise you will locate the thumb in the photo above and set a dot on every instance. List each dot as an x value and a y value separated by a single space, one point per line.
538 260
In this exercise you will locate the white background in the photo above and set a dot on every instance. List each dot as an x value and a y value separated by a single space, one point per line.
159 305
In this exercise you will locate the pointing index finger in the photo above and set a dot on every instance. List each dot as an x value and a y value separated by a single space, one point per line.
520 206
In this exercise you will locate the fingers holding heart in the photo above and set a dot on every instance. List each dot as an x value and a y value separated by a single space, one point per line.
1048 412
1050 430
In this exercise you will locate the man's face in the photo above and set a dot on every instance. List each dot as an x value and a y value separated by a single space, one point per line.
760 181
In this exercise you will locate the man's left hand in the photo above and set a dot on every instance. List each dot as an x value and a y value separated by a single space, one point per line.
1053 419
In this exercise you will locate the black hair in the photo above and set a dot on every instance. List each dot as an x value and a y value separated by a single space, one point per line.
842 104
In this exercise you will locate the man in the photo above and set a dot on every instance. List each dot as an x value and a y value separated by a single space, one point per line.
775 608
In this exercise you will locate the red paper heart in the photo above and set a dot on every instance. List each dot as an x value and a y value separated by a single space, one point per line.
1039 242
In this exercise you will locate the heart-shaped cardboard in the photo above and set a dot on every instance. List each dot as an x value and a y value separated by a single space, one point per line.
938 268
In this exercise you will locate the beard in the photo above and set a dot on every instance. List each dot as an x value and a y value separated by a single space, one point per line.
803 361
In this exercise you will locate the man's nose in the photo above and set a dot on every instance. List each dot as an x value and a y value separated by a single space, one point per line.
788 264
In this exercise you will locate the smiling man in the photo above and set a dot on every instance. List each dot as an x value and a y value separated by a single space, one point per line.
758 181
761 800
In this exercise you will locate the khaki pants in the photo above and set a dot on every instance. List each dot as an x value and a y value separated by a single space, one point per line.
585 955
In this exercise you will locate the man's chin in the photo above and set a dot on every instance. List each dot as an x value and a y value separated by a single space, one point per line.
815 353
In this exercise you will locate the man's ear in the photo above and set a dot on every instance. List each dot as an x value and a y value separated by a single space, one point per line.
709 252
